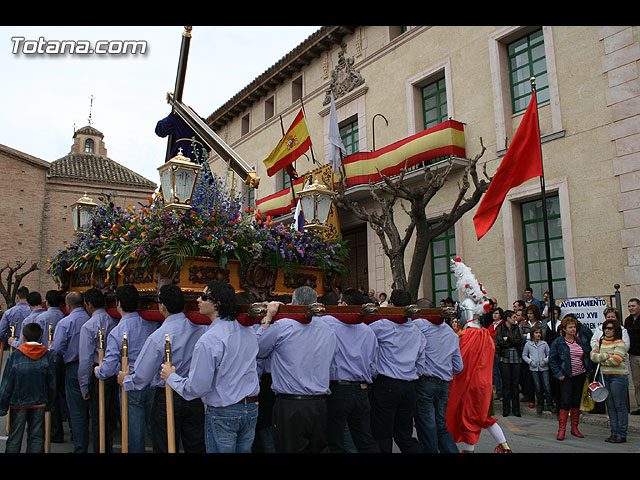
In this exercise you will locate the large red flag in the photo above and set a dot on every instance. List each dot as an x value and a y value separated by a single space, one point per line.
522 161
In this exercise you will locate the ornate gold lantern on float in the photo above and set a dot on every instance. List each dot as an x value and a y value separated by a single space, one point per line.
178 179
316 202
81 210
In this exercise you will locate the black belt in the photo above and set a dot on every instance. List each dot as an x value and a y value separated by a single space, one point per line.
246 400
348 382
432 379
290 396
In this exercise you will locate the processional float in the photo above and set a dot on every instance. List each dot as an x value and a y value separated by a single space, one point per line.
255 281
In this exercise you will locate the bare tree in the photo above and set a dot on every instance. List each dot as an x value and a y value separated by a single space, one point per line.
391 191
9 286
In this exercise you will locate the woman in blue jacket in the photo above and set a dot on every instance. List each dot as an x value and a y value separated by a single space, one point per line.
570 363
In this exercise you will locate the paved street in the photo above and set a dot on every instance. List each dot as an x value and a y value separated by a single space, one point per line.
530 433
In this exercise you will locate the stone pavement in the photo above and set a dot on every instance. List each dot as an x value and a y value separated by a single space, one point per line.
586 417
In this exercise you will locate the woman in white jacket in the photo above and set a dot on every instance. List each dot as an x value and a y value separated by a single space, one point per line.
536 354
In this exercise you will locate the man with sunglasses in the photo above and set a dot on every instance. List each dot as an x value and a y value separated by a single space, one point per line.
137 330
183 335
223 374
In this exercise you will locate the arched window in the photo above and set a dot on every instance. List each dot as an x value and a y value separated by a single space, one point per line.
88 146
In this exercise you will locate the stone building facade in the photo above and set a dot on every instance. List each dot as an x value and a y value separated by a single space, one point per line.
36 198
415 76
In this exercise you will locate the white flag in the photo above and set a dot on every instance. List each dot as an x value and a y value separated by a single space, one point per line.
336 147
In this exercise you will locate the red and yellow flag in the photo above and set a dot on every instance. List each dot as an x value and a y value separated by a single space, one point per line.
295 142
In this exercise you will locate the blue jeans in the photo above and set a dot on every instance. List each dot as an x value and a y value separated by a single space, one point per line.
543 387
618 386
139 415
78 409
431 417
33 419
230 429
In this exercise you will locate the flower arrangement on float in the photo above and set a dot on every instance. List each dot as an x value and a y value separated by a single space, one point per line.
216 226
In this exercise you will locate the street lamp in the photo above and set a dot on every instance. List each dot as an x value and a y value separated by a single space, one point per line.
81 211
316 202
178 179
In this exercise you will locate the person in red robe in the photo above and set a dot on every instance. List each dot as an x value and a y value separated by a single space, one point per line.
471 391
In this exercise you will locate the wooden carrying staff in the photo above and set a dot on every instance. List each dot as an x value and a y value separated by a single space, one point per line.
12 332
125 403
101 408
171 434
47 415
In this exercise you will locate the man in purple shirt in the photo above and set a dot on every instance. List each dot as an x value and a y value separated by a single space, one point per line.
14 316
393 400
34 300
301 358
183 335
88 359
351 374
65 345
442 361
137 330
223 373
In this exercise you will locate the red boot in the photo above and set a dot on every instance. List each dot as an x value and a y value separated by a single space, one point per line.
575 419
562 424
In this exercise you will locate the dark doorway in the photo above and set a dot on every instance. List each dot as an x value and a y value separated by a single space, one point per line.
357 261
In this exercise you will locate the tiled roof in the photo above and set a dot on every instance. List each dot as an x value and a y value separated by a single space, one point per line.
97 168
89 130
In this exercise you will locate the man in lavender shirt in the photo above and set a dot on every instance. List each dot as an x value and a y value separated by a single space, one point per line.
88 355
301 357
351 375
183 336
442 361
66 345
34 300
223 373
400 355
137 330
16 314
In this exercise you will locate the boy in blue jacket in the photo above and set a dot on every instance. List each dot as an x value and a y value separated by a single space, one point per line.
28 389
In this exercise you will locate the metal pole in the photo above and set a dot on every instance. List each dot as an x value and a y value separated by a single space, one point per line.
547 246
180 76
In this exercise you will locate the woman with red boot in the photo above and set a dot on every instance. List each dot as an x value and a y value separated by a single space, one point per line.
569 362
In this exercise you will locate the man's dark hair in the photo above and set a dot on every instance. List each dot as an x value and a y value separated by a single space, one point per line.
400 298
95 297
34 299
22 293
171 296
53 298
128 297
32 332
528 289
225 296
353 296
329 298
521 304
74 299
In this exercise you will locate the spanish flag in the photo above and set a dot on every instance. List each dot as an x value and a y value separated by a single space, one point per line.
295 142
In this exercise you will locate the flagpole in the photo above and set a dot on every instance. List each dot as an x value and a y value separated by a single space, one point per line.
547 245
313 157
293 192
